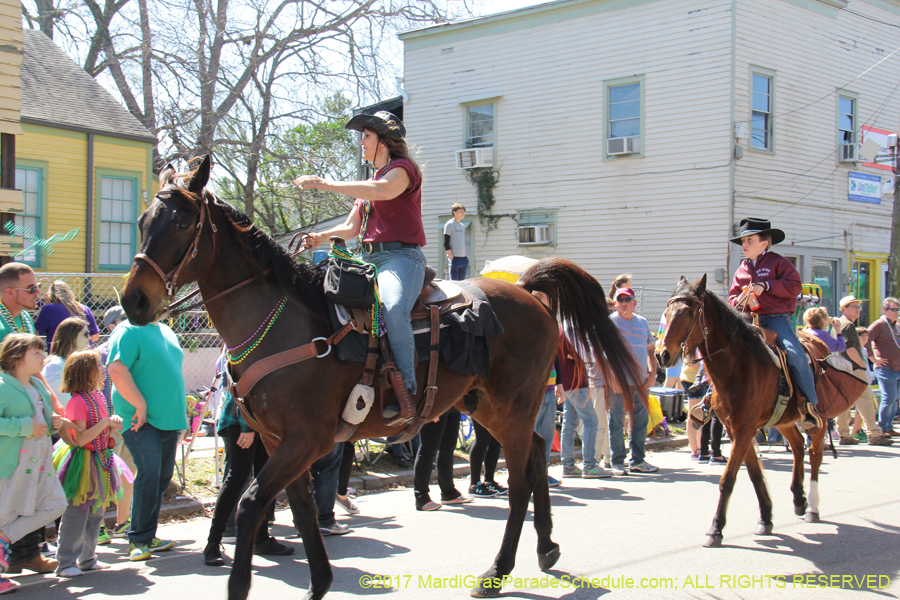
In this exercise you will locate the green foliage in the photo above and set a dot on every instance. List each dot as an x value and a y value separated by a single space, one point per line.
485 180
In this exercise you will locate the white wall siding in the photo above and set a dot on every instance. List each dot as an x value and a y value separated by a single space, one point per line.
802 186
631 214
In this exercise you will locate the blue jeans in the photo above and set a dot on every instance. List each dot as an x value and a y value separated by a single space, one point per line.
545 425
889 384
458 268
401 273
326 471
153 451
796 355
617 430
577 405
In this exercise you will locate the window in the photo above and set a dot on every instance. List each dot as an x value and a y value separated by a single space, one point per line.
480 126
761 113
29 180
625 110
846 120
118 202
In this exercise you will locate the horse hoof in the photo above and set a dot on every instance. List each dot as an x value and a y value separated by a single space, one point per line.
548 559
713 541
764 528
488 587
812 517
800 510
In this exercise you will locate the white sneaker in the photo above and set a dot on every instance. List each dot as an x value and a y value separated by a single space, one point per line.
69 572
643 467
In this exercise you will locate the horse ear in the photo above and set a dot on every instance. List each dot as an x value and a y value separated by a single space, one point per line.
201 176
700 286
683 279
165 175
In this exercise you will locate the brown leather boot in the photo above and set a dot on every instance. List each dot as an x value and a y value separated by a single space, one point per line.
38 564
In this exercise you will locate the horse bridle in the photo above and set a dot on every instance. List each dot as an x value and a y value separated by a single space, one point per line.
170 279
699 318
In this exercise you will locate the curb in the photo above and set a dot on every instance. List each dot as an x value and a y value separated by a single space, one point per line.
372 482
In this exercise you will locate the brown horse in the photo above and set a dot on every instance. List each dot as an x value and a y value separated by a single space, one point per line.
745 380
189 235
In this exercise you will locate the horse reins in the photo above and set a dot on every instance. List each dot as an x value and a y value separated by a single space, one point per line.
700 318
170 279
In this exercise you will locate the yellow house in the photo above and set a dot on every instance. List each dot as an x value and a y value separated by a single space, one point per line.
82 161
10 104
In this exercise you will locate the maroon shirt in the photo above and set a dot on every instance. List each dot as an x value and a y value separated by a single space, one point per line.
884 343
573 371
779 276
400 219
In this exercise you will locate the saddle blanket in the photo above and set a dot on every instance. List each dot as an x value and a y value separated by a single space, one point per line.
465 340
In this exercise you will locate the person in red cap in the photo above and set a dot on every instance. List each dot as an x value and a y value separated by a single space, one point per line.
772 281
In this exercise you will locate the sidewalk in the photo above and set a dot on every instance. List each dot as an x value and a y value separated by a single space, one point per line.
369 482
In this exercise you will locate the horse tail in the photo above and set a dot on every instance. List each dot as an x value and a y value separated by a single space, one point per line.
579 301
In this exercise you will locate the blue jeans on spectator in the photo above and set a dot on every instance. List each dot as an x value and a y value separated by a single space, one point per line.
153 451
617 430
545 425
326 471
578 405
889 384
459 266
401 273
796 355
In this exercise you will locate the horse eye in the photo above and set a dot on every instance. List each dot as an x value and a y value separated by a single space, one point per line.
183 225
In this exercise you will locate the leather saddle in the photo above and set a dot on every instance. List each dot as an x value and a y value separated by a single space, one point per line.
446 294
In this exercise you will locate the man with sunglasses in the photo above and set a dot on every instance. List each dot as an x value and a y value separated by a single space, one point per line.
884 338
636 332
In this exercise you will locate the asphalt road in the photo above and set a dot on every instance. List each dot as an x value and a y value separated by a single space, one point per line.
627 537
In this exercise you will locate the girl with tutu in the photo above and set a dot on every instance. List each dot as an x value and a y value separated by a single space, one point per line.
90 472
30 494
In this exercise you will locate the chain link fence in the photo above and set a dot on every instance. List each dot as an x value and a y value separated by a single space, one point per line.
651 304
199 339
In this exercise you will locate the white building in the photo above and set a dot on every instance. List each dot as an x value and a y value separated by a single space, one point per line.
639 133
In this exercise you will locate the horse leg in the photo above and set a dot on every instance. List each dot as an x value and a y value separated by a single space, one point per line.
816 448
755 470
286 462
742 445
795 441
517 440
548 550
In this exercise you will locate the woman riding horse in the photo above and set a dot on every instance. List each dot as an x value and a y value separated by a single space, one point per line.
387 216
776 285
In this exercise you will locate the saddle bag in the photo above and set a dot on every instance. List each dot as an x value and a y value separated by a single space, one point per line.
837 388
350 283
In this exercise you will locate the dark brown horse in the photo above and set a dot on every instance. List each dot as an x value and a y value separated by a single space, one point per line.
745 380
189 235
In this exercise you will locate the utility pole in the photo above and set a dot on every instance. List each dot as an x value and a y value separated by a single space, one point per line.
894 260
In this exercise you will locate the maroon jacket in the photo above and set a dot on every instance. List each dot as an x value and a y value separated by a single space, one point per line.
778 275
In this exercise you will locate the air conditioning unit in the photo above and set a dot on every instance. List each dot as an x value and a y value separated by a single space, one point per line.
849 152
474 158
532 235
621 145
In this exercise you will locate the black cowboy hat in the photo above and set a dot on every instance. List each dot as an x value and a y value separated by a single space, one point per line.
750 225
382 123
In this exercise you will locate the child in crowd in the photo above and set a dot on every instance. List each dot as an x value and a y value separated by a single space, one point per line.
90 472
30 494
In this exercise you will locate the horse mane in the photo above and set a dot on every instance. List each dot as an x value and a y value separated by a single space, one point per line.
736 328
302 281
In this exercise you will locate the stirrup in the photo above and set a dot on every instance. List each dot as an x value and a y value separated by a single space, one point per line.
699 415
813 420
